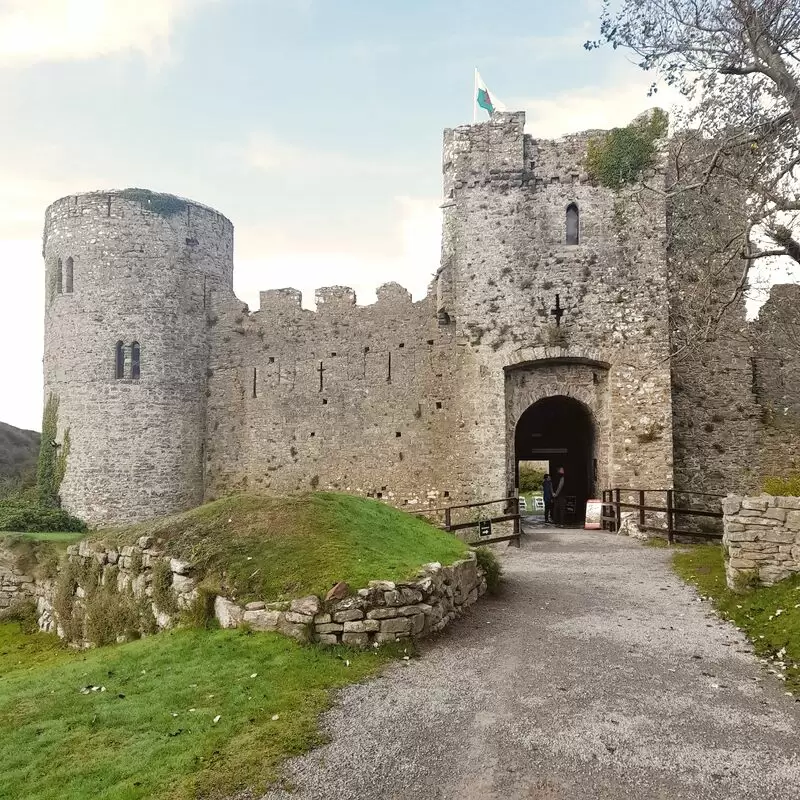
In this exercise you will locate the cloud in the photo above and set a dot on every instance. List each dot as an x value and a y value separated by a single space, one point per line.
264 151
60 30
609 106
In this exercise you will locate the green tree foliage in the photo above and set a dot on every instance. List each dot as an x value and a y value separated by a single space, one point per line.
530 479
623 154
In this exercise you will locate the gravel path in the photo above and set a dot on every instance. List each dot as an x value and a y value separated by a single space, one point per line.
597 674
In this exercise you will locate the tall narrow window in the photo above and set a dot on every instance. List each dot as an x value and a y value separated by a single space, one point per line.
59 276
68 281
120 360
573 224
135 361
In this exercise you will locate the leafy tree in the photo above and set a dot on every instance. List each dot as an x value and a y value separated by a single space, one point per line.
737 62
530 479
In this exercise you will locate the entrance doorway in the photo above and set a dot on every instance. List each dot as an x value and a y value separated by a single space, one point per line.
560 431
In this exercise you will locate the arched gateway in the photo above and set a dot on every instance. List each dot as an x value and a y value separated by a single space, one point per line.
557 411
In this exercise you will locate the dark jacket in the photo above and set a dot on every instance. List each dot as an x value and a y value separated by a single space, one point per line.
547 490
559 490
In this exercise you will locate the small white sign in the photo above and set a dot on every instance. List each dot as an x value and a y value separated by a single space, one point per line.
594 513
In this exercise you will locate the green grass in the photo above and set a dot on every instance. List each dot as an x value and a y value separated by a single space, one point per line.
254 547
152 734
754 611
57 537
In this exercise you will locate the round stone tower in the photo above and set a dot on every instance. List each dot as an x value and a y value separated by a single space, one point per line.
129 275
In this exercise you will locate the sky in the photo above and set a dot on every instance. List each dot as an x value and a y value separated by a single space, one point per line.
314 125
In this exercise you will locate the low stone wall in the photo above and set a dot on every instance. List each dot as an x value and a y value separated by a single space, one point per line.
138 589
382 612
762 539
15 585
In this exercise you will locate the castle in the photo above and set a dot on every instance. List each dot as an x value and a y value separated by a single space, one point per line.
550 332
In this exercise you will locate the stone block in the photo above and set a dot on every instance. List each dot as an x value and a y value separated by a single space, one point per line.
750 512
417 624
773 574
298 619
300 633
762 522
183 583
348 616
778 536
382 613
180 567
338 592
793 520
264 620
113 556
256 605
788 502
742 535
731 504
347 604
776 513
321 619
362 626
356 639
756 503
228 614
326 639
143 542
309 605
409 611
396 625
383 586
331 627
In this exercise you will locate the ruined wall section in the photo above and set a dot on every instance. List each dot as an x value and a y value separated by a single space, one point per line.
776 338
716 417
347 397
143 268
505 236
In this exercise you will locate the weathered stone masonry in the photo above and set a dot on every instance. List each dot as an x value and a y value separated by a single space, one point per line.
415 403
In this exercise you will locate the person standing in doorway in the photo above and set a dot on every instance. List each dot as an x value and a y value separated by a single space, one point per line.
559 498
547 496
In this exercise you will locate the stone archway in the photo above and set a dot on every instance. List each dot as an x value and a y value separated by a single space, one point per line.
560 430
567 401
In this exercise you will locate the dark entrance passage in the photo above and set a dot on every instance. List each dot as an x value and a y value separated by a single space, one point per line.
559 430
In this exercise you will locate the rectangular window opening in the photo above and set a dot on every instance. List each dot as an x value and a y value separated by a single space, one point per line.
438 404
271 359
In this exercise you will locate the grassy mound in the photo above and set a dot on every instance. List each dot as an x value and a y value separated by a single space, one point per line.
188 714
252 547
769 615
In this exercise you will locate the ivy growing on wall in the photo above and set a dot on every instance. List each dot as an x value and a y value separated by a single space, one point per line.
52 460
620 156
165 205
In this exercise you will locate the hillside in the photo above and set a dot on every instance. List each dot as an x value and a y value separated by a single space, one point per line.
256 547
19 450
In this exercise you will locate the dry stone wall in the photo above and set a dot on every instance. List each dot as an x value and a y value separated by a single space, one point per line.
385 611
101 595
762 539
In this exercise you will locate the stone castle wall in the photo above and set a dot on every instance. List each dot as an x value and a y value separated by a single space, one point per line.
139 275
413 403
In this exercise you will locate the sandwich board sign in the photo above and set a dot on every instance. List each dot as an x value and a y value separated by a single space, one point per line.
594 512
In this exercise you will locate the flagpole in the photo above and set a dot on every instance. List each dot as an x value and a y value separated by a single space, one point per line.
475 98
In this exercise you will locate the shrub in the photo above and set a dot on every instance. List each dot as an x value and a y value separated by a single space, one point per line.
21 611
492 570
24 518
620 156
783 487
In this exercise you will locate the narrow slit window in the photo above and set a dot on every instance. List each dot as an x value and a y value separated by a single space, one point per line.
120 360
573 224
255 381
136 361
59 276
68 280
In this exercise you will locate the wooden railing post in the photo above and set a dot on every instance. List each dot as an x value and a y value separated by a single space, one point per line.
447 520
617 501
641 508
670 515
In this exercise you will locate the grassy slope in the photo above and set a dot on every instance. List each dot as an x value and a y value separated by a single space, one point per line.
754 611
19 450
151 734
270 548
